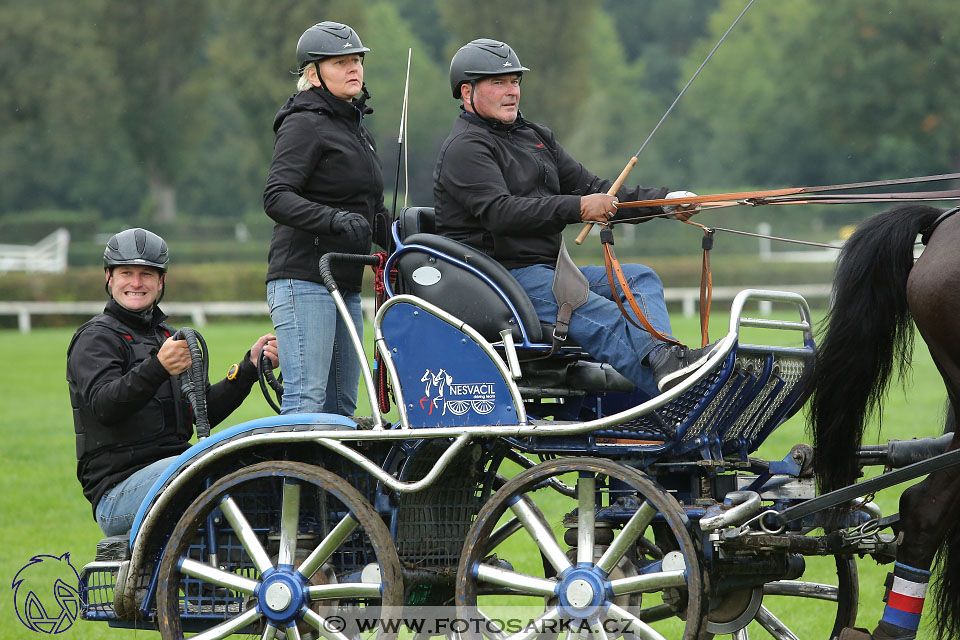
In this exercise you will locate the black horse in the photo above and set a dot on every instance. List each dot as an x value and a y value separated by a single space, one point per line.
878 290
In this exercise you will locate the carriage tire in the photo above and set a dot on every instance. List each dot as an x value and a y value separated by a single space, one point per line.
374 531
479 556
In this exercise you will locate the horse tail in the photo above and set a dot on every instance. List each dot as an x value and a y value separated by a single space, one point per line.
868 330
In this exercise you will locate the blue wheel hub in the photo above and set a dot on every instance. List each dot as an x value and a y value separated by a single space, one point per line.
281 596
581 592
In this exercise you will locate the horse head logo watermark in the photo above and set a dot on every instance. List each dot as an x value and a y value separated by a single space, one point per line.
46 594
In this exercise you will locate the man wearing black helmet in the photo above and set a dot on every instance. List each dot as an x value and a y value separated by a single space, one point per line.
122 367
505 186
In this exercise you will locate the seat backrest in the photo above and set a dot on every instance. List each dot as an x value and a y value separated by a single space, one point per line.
460 291
415 220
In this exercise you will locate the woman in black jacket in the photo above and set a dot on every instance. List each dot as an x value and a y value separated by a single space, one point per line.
324 189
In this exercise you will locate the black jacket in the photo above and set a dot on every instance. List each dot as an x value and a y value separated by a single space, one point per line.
324 162
510 190
127 410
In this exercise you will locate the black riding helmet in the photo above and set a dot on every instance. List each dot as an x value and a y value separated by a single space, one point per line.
480 58
326 39
136 246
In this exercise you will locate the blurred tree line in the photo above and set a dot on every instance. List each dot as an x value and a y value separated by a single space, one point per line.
161 111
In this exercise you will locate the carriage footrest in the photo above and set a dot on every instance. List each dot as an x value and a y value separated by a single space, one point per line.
98 582
113 548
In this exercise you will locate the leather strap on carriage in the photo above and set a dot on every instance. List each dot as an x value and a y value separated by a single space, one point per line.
613 266
383 384
706 282
571 290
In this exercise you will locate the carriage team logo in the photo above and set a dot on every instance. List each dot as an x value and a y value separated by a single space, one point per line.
46 594
443 394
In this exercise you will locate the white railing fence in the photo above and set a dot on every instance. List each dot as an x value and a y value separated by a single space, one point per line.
198 312
48 255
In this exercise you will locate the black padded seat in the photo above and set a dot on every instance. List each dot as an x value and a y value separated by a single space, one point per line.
456 290
464 294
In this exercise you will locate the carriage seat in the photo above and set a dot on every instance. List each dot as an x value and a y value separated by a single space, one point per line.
462 292
464 281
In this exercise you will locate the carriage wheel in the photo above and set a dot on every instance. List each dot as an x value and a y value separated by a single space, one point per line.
835 600
627 565
276 549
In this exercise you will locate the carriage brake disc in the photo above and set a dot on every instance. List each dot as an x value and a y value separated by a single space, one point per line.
735 610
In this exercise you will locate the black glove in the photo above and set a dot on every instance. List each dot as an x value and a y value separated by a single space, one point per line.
354 226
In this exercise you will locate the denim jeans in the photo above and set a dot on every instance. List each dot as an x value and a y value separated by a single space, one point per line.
118 506
321 369
598 326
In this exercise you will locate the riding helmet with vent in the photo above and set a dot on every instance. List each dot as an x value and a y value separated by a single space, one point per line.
326 39
136 246
480 58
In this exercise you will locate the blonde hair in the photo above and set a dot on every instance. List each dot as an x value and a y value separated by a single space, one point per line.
303 82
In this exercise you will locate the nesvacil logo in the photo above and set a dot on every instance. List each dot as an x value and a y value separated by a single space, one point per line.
442 393
46 594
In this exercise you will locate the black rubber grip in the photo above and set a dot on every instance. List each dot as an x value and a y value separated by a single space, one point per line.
327 276
194 381
900 453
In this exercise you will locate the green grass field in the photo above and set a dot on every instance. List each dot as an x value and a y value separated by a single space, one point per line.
44 512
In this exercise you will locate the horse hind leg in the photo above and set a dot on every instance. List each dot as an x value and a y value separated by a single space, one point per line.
928 509
927 521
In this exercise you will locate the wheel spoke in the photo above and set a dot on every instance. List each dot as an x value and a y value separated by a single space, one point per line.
503 532
490 628
596 628
327 546
741 634
526 584
814 590
229 627
291 632
269 632
216 576
586 508
535 628
628 536
648 582
289 522
248 537
344 590
773 625
636 626
319 623
541 534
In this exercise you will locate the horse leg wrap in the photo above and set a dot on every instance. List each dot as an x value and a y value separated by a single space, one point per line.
901 617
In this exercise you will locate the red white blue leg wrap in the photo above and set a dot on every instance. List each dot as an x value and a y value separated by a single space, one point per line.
905 601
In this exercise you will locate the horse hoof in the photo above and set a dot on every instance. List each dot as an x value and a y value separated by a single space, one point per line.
859 633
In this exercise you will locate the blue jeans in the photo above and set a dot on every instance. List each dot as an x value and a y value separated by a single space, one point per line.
118 506
321 369
598 326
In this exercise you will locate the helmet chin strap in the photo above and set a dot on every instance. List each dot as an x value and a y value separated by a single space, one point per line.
316 65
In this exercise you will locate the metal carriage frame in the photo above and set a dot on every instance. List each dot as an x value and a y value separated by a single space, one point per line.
668 480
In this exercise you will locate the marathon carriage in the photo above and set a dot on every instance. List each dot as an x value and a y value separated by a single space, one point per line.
516 475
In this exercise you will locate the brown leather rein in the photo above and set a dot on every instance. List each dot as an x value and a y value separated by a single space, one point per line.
793 195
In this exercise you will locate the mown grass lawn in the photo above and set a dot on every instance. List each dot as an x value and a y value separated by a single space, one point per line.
42 510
